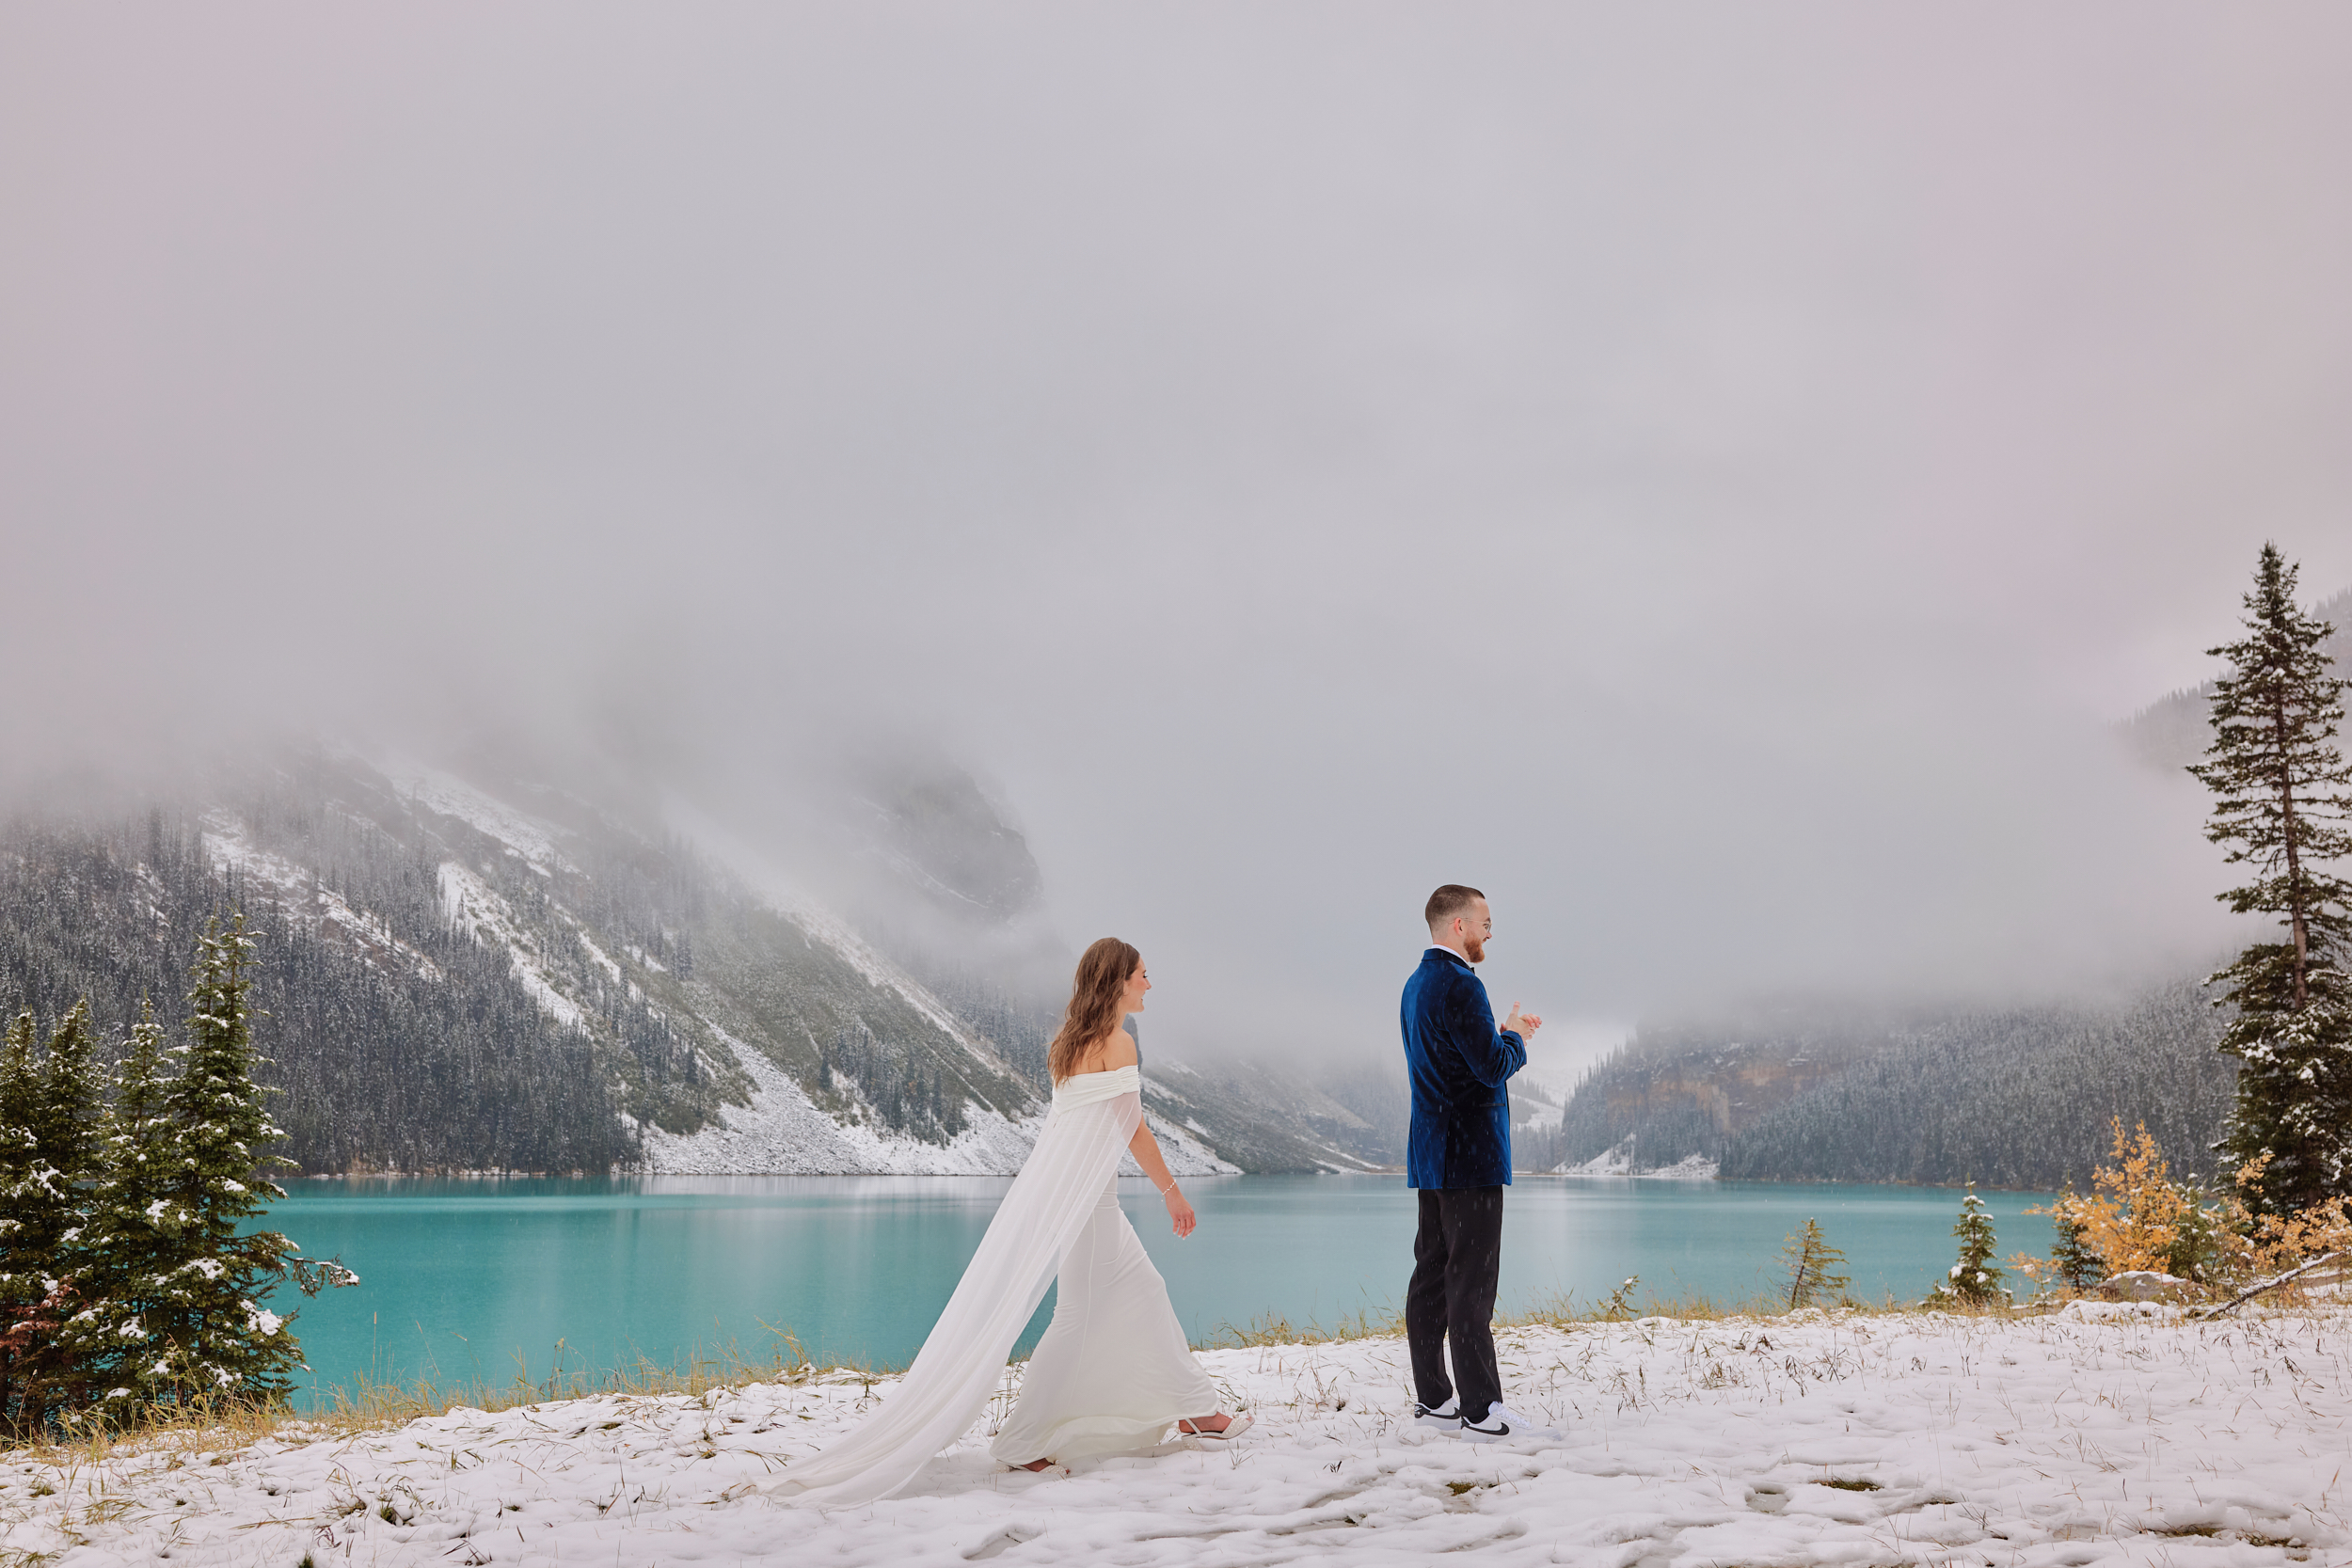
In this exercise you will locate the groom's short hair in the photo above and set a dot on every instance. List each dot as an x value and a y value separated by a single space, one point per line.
1449 901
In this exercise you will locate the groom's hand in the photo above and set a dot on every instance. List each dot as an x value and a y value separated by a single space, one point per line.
1521 1026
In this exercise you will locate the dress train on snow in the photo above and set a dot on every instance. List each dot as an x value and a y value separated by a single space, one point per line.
1111 1372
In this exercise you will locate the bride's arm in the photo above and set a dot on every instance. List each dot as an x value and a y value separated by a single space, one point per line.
1118 1050
1145 1148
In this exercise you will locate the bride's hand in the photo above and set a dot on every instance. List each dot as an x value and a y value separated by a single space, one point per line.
1179 1213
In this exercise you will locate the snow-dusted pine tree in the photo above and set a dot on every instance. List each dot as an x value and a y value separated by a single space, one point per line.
207 1335
2282 799
51 1106
1975 1281
27 1304
20 1110
136 1229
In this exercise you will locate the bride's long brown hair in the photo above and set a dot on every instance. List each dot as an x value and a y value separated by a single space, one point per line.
1103 971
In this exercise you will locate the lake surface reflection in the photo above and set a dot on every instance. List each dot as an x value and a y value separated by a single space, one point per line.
481 1281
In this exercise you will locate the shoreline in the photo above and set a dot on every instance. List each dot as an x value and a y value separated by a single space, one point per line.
1669 1173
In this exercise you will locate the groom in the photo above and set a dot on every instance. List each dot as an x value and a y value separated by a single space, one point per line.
1458 1156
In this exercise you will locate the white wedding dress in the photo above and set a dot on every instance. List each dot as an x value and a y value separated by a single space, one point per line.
1113 1371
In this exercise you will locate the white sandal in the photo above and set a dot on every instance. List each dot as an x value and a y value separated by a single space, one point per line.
1234 1427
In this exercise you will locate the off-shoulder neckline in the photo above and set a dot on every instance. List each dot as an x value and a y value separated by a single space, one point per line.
1101 1070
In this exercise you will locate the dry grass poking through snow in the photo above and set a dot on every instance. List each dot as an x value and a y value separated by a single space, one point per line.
2095 1435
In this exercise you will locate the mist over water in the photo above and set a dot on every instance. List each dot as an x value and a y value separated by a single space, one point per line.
1712 488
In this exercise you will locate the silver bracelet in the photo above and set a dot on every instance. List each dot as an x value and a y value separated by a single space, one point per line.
1164 1191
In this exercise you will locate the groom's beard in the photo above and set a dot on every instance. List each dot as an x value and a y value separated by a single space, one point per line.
1474 949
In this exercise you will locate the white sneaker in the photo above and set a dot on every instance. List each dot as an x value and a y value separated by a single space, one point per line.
1501 1425
1445 1417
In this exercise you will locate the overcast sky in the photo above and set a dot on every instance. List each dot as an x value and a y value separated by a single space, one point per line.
1708 475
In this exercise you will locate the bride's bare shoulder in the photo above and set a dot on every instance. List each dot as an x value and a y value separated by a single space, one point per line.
1116 1052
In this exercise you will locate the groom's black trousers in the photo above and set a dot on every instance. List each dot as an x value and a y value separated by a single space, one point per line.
1456 1256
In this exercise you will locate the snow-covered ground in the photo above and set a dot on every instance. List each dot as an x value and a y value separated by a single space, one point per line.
2102 1434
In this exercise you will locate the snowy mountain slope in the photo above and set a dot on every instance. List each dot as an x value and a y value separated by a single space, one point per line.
485 973
783 1131
768 997
226 845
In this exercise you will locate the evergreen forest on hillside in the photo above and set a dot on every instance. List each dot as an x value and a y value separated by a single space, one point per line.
2018 1098
383 1064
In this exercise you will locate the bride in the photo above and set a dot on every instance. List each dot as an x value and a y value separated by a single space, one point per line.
1113 1371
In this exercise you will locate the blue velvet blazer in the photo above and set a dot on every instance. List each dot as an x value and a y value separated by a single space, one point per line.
1458 1062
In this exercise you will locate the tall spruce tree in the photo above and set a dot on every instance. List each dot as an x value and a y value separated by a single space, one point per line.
136 1229
2283 798
20 1144
205 1333
50 1107
27 1309
69 1110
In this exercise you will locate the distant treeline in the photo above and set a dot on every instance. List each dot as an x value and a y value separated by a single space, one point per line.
2019 1099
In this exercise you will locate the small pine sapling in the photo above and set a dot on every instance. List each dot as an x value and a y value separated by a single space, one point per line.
1975 1281
2073 1262
1812 1265
2204 1245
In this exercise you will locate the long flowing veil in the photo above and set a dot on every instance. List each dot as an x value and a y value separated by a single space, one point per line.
959 1364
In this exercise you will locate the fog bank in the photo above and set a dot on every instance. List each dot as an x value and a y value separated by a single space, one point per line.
1710 481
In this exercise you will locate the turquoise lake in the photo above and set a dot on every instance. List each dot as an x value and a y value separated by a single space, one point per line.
481 1282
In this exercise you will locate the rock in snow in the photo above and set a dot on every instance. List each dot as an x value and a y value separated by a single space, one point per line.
2104 1433
2147 1285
